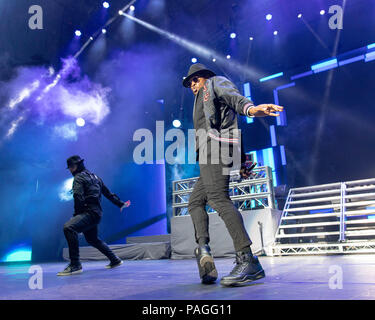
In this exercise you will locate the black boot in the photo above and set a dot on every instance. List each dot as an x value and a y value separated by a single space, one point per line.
247 269
206 265
115 263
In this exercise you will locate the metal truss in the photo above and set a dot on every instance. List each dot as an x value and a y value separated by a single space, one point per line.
330 218
324 248
247 194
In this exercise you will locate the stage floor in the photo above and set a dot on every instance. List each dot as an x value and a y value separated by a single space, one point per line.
302 277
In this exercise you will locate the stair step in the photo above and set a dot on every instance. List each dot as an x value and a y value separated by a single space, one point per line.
360 221
350 196
328 206
364 181
360 203
325 192
314 200
312 234
361 188
316 193
359 212
319 187
311 216
315 224
360 233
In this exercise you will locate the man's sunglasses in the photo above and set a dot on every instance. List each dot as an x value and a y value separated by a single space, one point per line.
195 80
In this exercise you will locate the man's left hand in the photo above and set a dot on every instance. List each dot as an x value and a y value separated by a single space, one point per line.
264 110
246 168
125 205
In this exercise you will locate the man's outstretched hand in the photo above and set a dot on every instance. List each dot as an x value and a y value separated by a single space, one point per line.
246 169
264 110
126 204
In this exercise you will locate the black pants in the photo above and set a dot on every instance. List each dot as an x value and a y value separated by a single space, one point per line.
88 224
213 188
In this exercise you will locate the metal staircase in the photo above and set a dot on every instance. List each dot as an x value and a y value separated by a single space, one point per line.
329 218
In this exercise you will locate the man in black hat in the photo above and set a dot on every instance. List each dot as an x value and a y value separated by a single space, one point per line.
217 103
87 191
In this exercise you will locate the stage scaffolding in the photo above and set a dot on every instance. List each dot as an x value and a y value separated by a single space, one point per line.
329 218
253 193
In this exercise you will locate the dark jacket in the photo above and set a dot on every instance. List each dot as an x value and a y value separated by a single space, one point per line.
221 103
87 191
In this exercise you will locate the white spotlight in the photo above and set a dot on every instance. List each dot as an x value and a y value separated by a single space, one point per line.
194 60
269 17
176 123
214 60
106 4
120 12
228 56
233 35
132 8
65 193
78 33
322 12
275 33
80 122
104 31
251 38
300 16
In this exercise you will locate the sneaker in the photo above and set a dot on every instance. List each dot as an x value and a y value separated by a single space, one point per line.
247 269
114 264
70 270
206 265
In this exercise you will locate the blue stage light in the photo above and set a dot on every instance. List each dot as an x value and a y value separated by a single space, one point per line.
283 156
370 56
23 254
280 74
233 35
268 160
269 17
325 65
78 33
106 4
176 123
273 136
351 60
194 60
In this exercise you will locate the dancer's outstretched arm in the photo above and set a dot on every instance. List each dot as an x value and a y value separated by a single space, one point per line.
114 198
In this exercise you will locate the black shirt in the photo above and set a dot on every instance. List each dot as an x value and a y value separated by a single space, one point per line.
198 116
199 120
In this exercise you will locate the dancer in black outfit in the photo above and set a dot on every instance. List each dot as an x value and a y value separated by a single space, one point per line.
217 102
87 191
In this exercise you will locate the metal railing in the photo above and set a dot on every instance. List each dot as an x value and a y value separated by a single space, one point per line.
330 218
247 194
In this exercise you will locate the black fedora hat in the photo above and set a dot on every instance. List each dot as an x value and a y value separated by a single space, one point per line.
196 69
73 160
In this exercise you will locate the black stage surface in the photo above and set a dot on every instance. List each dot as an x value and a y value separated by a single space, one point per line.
302 277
